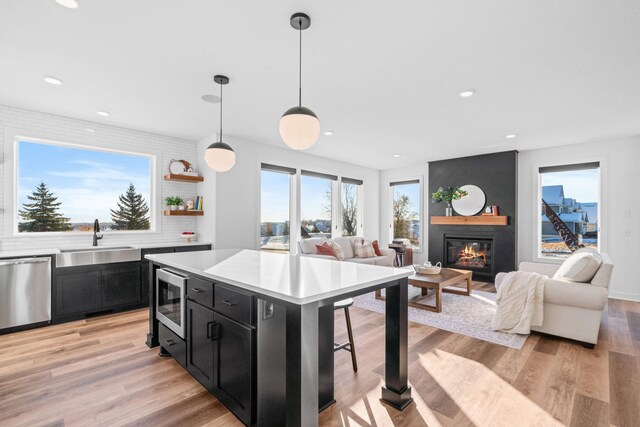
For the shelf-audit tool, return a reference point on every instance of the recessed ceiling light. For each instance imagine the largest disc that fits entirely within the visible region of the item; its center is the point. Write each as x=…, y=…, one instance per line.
x=397, y=155
x=328, y=132
x=90, y=130
x=53, y=80
x=71, y=4
x=467, y=93
x=104, y=113
x=511, y=136
x=211, y=99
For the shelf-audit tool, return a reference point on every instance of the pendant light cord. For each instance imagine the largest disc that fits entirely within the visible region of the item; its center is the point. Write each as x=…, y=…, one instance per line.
x=221, y=111
x=300, y=66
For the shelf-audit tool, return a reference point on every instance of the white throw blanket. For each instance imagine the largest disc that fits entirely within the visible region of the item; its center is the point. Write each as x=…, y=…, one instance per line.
x=520, y=298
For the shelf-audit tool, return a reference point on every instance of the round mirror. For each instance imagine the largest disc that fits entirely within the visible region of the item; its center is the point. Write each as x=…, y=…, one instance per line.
x=472, y=203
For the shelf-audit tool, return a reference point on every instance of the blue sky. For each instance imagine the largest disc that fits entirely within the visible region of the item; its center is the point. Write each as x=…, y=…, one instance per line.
x=411, y=190
x=580, y=185
x=275, y=197
x=87, y=182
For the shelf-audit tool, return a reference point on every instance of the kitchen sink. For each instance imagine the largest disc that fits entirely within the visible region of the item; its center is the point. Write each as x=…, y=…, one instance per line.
x=96, y=255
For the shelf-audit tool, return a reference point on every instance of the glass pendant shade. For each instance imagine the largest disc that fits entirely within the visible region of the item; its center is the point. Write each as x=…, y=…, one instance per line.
x=299, y=128
x=220, y=157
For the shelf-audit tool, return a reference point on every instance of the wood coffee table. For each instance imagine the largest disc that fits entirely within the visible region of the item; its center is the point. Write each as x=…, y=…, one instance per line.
x=438, y=282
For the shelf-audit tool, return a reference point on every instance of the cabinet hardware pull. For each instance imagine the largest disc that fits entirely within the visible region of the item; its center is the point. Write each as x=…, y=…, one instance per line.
x=197, y=290
x=170, y=342
x=229, y=303
x=213, y=331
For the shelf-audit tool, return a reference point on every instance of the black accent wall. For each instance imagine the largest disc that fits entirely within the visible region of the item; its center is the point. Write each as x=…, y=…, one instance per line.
x=496, y=174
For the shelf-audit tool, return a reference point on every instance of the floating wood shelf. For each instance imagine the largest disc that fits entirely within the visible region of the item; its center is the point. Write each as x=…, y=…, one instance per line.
x=184, y=213
x=182, y=178
x=470, y=220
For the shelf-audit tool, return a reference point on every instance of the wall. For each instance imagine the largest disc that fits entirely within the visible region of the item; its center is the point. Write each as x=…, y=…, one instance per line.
x=232, y=199
x=63, y=129
x=620, y=199
x=404, y=174
x=496, y=175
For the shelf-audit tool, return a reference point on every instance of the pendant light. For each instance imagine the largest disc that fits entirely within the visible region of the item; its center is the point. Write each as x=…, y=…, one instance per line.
x=220, y=156
x=299, y=126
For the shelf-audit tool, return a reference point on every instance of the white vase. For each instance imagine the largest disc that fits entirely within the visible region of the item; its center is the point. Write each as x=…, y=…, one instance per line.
x=173, y=207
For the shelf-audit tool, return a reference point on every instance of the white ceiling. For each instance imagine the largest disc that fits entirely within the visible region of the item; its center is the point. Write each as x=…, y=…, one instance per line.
x=384, y=75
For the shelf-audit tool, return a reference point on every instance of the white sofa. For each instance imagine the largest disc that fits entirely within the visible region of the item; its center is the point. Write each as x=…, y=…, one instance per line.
x=571, y=310
x=307, y=247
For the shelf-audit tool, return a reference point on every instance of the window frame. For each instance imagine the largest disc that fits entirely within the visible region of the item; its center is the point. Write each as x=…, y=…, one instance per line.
x=421, y=211
x=295, y=207
x=537, y=192
x=292, y=172
x=11, y=202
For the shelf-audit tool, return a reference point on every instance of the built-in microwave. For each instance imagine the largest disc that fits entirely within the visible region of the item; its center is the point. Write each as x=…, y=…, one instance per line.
x=171, y=291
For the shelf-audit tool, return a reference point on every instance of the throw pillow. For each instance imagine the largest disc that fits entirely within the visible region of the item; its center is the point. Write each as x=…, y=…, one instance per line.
x=579, y=267
x=376, y=248
x=337, y=249
x=363, y=250
x=325, y=249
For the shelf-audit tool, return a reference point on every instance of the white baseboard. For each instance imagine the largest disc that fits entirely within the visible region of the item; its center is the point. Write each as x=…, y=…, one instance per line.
x=624, y=295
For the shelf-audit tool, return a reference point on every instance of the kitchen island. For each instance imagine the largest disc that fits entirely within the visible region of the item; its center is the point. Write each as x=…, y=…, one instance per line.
x=254, y=326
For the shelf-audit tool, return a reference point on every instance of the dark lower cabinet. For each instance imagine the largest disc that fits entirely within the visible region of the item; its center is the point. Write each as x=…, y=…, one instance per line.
x=95, y=289
x=233, y=382
x=121, y=286
x=78, y=292
x=201, y=343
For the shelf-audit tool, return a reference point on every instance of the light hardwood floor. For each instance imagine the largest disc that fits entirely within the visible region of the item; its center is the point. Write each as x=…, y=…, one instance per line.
x=100, y=372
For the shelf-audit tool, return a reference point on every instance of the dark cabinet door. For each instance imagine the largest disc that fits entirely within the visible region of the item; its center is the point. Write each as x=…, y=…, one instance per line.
x=121, y=285
x=78, y=292
x=234, y=367
x=201, y=342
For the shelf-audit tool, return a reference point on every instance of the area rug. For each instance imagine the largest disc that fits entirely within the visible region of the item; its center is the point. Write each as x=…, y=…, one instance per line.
x=466, y=315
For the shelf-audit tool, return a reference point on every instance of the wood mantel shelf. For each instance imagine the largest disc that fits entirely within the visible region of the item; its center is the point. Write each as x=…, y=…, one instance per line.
x=184, y=213
x=182, y=178
x=470, y=220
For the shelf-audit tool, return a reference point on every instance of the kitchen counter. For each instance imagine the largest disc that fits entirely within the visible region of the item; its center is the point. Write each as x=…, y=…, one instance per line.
x=289, y=278
x=290, y=299
x=52, y=251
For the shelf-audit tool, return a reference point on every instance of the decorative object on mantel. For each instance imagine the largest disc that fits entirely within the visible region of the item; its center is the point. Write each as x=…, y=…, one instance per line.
x=220, y=156
x=189, y=236
x=448, y=196
x=470, y=220
x=173, y=202
x=299, y=126
x=473, y=203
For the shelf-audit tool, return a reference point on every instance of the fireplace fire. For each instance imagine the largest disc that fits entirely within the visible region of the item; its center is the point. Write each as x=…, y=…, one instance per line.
x=469, y=253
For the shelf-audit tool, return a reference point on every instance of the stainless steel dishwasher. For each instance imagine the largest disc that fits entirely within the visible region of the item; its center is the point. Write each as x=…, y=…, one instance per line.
x=25, y=291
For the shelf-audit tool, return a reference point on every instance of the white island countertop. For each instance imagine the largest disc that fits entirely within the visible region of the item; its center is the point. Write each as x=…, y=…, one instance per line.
x=295, y=279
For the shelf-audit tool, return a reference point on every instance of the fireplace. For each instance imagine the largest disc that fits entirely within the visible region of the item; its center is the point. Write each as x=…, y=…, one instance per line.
x=469, y=253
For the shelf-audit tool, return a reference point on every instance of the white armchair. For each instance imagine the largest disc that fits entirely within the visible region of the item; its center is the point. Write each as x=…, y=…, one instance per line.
x=571, y=310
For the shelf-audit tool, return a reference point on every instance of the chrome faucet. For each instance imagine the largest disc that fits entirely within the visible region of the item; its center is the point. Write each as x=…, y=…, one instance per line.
x=96, y=230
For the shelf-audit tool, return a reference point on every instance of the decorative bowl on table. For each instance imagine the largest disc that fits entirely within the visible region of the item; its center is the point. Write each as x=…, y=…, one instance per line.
x=189, y=236
x=423, y=269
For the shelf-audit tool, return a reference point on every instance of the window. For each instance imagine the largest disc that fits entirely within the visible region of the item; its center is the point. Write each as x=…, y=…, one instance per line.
x=316, y=204
x=64, y=188
x=350, y=197
x=406, y=212
x=275, y=198
x=569, y=208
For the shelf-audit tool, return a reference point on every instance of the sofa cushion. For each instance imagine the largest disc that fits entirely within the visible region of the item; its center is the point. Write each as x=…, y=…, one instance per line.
x=308, y=246
x=580, y=267
x=337, y=249
x=376, y=248
x=371, y=261
x=383, y=260
x=363, y=249
x=326, y=249
x=346, y=246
